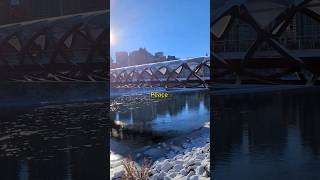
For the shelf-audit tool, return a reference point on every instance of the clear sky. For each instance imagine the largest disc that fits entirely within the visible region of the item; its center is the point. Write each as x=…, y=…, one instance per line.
x=175, y=27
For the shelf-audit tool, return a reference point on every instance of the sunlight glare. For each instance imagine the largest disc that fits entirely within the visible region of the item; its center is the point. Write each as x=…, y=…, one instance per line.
x=112, y=39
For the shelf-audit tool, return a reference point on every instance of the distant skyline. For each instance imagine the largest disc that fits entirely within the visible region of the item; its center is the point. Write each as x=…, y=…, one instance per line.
x=175, y=27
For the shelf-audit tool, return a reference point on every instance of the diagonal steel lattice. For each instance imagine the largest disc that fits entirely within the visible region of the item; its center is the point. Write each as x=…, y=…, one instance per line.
x=67, y=48
x=193, y=72
x=269, y=57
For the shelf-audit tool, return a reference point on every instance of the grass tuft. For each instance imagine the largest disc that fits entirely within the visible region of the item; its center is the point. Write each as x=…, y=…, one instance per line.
x=132, y=172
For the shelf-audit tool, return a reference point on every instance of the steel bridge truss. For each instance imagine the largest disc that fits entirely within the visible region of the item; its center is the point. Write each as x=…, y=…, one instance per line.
x=193, y=72
x=68, y=48
x=269, y=19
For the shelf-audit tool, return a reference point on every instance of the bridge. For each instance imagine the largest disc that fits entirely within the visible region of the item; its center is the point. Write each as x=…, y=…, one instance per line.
x=60, y=49
x=192, y=72
x=268, y=48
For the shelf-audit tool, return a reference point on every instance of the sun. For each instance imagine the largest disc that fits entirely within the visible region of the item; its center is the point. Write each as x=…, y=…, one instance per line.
x=112, y=39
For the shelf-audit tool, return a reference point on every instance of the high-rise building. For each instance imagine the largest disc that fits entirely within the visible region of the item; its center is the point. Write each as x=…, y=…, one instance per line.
x=12, y=11
x=141, y=56
x=122, y=59
x=171, y=58
x=159, y=54
x=159, y=57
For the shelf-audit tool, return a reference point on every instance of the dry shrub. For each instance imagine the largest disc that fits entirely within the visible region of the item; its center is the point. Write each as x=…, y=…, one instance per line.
x=132, y=172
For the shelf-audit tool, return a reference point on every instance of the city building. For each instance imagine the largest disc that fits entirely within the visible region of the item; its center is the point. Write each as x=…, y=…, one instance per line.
x=170, y=58
x=12, y=11
x=113, y=64
x=138, y=57
x=159, y=57
x=142, y=56
x=122, y=59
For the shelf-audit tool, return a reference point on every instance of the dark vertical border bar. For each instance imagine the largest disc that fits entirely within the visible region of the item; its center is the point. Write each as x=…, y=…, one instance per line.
x=108, y=94
x=211, y=44
x=212, y=142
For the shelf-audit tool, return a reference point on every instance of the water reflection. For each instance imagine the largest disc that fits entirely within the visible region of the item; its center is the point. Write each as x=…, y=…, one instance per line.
x=181, y=113
x=142, y=122
x=267, y=136
x=57, y=142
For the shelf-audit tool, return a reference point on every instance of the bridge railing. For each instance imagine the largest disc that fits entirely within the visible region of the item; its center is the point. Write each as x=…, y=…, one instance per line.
x=192, y=72
x=298, y=43
x=273, y=53
x=66, y=48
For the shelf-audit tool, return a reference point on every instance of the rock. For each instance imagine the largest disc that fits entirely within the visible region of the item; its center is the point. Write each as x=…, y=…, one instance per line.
x=171, y=171
x=206, y=148
x=207, y=171
x=153, y=171
x=161, y=175
x=179, y=162
x=166, y=166
x=118, y=175
x=158, y=167
x=191, y=168
x=173, y=175
x=191, y=173
x=197, y=162
x=194, y=177
x=200, y=157
x=183, y=172
x=185, y=156
x=200, y=170
x=189, y=164
x=154, y=177
x=177, y=167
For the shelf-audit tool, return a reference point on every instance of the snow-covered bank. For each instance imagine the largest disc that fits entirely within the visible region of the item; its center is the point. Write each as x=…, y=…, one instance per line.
x=193, y=165
x=192, y=146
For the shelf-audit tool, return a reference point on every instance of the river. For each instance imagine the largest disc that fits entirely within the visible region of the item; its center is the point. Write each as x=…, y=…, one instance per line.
x=267, y=136
x=143, y=125
x=60, y=142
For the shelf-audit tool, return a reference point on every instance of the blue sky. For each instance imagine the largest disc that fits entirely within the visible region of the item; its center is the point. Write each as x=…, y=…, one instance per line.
x=176, y=27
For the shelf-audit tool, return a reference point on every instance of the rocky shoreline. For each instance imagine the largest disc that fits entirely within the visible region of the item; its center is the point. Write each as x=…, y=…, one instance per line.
x=191, y=165
x=189, y=159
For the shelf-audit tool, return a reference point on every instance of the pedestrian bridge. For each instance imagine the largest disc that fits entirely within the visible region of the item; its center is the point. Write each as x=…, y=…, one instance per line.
x=192, y=72
x=277, y=42
x=66, y=48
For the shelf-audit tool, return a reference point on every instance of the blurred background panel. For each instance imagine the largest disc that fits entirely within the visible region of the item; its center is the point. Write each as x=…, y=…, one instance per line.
x=12, y=11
